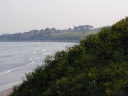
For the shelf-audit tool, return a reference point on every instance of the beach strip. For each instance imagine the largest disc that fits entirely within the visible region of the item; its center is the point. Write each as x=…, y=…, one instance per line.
x=6, y=92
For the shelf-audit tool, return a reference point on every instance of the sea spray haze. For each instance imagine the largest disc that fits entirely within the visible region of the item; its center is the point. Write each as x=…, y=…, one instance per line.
x=95, y=67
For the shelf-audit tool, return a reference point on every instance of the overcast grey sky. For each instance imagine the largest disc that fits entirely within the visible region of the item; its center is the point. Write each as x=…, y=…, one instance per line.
x=25, y=15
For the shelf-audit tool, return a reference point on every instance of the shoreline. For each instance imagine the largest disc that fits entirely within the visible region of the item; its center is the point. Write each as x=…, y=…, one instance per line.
x=6, y=92
x=72, y=41
x=14, y=77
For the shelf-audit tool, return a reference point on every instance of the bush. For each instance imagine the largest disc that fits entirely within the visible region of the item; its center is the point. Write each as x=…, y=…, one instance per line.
x=95, y=67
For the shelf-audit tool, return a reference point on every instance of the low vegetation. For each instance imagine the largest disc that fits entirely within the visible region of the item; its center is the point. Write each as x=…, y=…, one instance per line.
x=69, y=35
x=98, y=66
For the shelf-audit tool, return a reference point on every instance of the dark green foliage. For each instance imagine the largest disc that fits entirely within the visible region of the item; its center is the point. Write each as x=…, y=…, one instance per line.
x=98, y=66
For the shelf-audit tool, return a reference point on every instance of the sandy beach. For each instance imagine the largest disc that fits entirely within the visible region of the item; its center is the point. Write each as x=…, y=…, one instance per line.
x=6, y=92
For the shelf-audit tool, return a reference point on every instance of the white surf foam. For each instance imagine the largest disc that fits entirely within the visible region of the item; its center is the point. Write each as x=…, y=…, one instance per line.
x=8, y=71
x=34, y=52
x=47, y=53
x=30, y=59
x=64, y=44
x=43, y=50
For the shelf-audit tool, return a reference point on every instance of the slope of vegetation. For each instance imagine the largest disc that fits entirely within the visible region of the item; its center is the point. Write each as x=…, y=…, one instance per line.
x=98, y=66
x=69, y=35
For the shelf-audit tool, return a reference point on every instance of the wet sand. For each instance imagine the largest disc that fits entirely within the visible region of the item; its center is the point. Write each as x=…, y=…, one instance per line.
x=6, y=92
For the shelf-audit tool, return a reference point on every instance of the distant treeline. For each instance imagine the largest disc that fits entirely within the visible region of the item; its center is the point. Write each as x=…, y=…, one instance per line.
x=51, y=34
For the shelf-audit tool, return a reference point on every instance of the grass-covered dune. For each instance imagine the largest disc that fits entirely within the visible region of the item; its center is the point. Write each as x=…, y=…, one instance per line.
x=98, y=66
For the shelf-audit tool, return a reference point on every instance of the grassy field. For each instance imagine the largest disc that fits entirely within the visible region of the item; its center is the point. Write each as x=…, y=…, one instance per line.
x=71, y=35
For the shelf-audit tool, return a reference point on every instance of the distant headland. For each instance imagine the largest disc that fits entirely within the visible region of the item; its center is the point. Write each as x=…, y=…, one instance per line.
x=52, y=34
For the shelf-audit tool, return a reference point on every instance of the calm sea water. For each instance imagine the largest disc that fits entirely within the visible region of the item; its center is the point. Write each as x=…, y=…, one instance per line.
x=18, y=58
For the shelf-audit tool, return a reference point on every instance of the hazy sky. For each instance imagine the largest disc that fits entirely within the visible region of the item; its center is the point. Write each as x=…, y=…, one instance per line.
x=26, y=15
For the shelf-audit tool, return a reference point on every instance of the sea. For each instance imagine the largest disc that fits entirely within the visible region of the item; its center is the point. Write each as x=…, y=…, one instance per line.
x=20, y=58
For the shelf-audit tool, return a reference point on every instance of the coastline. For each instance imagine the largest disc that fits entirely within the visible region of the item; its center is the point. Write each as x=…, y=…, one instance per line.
x=72, y=41
x=6, y=92
x=14, y=76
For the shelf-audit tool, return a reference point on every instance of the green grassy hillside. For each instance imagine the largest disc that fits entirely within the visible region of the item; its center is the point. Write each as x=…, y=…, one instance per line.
x=69, y=35
x=98, y=66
